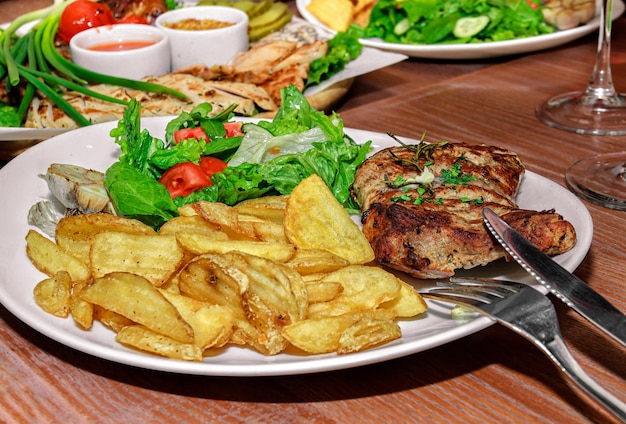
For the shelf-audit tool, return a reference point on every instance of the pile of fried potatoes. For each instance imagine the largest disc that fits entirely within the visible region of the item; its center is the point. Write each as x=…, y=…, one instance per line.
x=267, y=274
x=339, y=14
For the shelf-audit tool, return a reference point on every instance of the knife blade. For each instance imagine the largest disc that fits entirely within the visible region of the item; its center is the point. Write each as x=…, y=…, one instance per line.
x=570, y=289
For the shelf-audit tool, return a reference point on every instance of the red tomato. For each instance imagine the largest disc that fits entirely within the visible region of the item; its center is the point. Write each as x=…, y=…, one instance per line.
x=187, y=133
x=132, y=19
x=233, y=129
x=184, y=178
x=81, y=15
x=211, y=165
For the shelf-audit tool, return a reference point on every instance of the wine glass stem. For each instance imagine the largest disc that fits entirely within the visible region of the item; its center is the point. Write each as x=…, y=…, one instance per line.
x=601, y=82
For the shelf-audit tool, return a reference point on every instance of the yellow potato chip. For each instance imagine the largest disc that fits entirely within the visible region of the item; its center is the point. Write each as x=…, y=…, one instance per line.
x=337, y=14
x=75, y=233
x=50, y=258
x=212, y=324
x=192, y=224
x=149, y=341
x=408, y=302
x=314, y=219
x=270, y=208
x=53, y=294
x=154, y=257
x=315, y=261
x=364, y=288
x=200, y=244
x=135, y=298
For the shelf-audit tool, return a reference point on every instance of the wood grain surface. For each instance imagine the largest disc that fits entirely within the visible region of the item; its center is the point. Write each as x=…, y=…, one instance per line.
x=493, y=376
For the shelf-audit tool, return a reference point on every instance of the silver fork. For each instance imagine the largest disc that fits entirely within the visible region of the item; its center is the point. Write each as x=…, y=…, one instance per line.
x=530, y=314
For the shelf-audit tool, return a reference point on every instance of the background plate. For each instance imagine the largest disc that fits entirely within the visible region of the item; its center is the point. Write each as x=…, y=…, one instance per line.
x=478, y=50
x=91, y=147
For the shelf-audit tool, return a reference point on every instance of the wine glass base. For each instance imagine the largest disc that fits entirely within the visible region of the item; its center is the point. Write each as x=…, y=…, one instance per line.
x=581, y=113
x=600, y=180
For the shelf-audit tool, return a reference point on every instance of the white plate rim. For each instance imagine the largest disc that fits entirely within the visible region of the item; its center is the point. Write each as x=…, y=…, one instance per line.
x=91, y=146
x=477, y=50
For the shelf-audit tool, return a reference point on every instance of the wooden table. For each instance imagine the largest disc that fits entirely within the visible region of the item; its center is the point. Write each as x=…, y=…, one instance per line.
x=492, y=376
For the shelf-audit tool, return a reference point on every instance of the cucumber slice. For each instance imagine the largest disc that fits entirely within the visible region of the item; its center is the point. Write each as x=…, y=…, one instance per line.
x=401, y=27
x=470, y=26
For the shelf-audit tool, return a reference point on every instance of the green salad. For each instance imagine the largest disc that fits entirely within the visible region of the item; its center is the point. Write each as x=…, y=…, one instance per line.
x=455, y=21
x=218, y=160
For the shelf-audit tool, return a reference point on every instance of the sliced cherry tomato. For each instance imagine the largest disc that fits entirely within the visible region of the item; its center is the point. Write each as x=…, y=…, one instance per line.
x=81, y=15
x=187, y=133
x=184, y=178
x=211, y=165
x=133, y=19
x=233, y=129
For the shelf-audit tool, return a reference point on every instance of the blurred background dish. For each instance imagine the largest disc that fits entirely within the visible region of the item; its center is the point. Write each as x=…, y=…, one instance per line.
x=193, y=45
x=132, y=51
x=476, y=50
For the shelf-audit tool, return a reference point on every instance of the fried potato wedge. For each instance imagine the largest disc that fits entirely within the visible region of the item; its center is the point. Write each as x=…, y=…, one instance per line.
x=135, y=298
x=199, y=245
x=212, y=324
x=324, y=335
x=337, y=14
x=111, y=319
x=53, y=294
x=364, y=288
x=269, y=208
x=315, y=261
x=81, y=310
x=367, y=333
x=149, y=341
x=226, y=218
x=50, y=258
x=154, y=257
x=269, y=231
x=314, y=219
x=192, y=225
x=408, y=303
x=273, y=296
x=323, y=291
x=75, y=233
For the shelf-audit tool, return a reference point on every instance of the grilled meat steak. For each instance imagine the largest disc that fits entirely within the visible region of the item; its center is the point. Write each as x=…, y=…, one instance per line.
x=422, y=207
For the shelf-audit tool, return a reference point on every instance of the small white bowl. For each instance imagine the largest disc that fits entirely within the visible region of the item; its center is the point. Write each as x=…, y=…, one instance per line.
x=205, y=47
x=98, y=49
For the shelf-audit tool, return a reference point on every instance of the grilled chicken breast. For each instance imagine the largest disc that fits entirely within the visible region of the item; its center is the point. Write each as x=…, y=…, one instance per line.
x=422, y=207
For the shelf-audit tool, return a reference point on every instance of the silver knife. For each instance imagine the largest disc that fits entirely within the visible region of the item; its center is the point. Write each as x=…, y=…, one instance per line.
x=563, y=284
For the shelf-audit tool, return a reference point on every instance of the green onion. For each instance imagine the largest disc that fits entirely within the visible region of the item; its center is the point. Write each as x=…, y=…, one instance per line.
x=29, y=93
x=49, y=72
x=56, y=98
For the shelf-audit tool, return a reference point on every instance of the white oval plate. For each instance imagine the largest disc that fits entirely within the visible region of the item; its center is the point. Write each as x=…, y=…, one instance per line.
x=92, y=147
x=477, y=50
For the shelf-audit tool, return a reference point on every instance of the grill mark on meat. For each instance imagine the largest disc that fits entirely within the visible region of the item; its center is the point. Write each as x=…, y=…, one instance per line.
x=445, y=232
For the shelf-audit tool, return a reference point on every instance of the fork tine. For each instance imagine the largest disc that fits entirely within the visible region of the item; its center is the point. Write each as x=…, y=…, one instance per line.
x=488, y=282
x=453, y=295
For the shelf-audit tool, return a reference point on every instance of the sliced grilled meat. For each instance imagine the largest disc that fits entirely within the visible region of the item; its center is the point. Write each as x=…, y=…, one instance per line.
x=422, y=207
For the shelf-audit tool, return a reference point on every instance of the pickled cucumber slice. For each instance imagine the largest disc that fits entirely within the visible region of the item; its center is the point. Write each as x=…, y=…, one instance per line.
x=470, y=26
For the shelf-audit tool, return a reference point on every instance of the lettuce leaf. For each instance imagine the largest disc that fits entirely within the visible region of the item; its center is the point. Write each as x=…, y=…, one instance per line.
x=272, y=158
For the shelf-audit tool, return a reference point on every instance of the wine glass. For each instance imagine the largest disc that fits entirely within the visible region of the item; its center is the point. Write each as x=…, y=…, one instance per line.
x=598, y=110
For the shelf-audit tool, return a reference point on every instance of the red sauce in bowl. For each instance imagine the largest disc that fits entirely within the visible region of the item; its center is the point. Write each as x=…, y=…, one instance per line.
x=118, y=46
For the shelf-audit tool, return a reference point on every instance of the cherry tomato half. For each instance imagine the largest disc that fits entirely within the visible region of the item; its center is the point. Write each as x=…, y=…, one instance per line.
x=81, y=15
x=184, y=178
x=211, y=165
x=233, y=129
x=187, y=133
